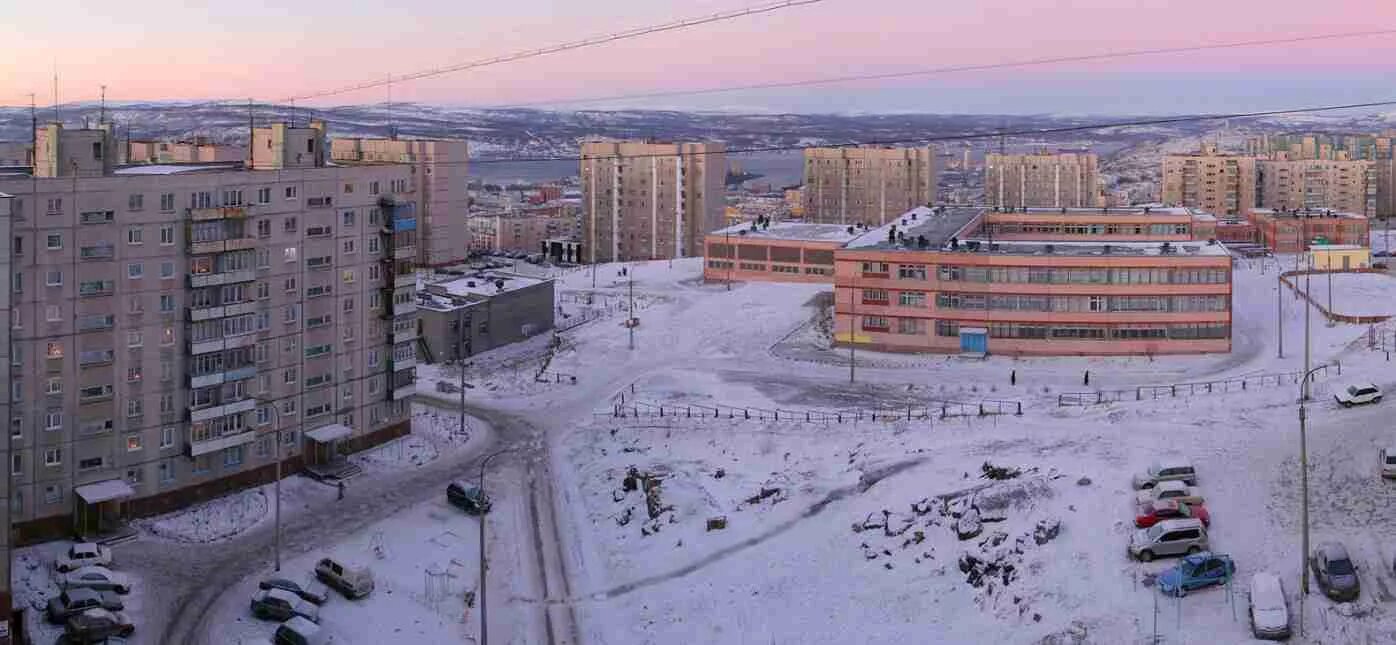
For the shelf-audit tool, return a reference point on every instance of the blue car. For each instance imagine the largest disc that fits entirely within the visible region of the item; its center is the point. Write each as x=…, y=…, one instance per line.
x=1196, y=571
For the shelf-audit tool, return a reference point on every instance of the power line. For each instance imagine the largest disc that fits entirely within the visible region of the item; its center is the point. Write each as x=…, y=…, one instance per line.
x=962, y=137
x=553, y=49
x=935, y=71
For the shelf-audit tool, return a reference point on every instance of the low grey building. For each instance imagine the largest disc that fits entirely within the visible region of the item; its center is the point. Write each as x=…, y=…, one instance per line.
x=463, y=315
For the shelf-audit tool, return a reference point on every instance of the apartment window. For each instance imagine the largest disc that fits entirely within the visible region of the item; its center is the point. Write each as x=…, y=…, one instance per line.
x=263, y=415
x=202, y=463
x=289, y=225
x=348, y=218
x=167, y=235
x=167, y=202
x=263, y=258
x=290, y=191
x=290, y=314
x=288, y=345
x=348, y=276
x=134, y=305
x=288, y=408
x=263, y=228
x=16, y=464
x=289, y=254
x=135, y=202
x=19, y=245
x=53, y=419
x=135, y=475
x=288, y=376
x=134, y=339
x=54, y=278
x=263, y=290
x=55, y=205
x=167, y=435
x=911, y=271
x=54, y=241
x=232, y=198
x=135, y=270
x=167, y=403
x=373, y=272
x=54, y=385
x=133, y=443
x=53, y=457
x=166, y=370
x=263, y=195
x=133, y=374
x=135, y=408
x=166, y=472
x=167, y=335
x=348, y=332
x=373, y=358
x=372, y=245
x=52, y=313
x=348, y=189
x=289, y=285
x=349, y=247
x=348, y=305
x=133, y=236
x=55, y=349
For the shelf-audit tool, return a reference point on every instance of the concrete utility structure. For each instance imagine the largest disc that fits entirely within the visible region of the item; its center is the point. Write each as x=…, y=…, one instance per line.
x=465, y=315
x=200, y=150
x=438, y=170
x=1044, y=180
x=1216, y=183
x=866, y=185
x=1294, y=231
x=650, y=201
x=1340, y=185
x=172, y=321
x=934, y=281
x=779, y=251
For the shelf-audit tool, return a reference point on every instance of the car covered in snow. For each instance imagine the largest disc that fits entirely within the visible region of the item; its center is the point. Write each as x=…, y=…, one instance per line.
x=1174, y=490
x=299, y=631
x=353, y=581
x=1169, y=470
x=96, y=626
x=1195, y=572
x=1169, y=537
x=1387, y=458
x=1269, y=610
x=279, y=605
x=98, y=578
x=313, y=592
x=467, y=498
x=1358, y=394
x=75, y=601
x=83, y=554
x=1152, y=512
x=1334, y=571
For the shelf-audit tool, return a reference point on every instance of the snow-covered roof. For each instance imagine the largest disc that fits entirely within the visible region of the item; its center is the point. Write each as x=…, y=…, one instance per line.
x=937, y=225
x=1315, y=213
x=1336, y=247
x=485, y=284
x=331, y=432
x=104, y=491
x=1027, y=247
x=801, y=231
x=169, y=169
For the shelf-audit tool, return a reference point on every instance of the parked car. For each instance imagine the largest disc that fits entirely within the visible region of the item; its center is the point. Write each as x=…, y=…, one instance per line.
x=314, y=592
x=299, y=631
x=1334, y=571
x=279, y=604
x=352, y=581
x=96, y=625
x=83, y=554
x=1358, y=394
x=1269, y=611
x=1173, y=489
x=1388, y=462
x=1170, y=470
x=75, y=601
x=1169, y=537
x=467, y=498
x=98, y=578
x=1150, y=513
x=1195, y=572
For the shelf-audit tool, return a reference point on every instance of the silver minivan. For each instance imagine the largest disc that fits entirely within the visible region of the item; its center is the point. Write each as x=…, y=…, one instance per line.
x=1169, y=537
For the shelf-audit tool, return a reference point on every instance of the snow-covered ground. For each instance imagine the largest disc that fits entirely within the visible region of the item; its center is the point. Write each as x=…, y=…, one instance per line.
x=34, y=580
x=1354, y=294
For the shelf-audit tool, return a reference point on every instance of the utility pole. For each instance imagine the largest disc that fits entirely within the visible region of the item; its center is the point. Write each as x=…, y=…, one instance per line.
x=731, y=257
x=852, y=322
x=1280, y=311
x=630, y=272
x=460, y=358
x=484, y=623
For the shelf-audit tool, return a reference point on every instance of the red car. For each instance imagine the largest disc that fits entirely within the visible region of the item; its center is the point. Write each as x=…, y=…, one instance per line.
x=1150, y=513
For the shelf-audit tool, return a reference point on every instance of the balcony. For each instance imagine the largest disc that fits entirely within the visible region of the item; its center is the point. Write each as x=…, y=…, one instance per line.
x=225, y=376
x=404, y=391
x=404, y=364
x=221, y=311
x=399, y=310
x=404, y=336
x=404, y=280
x=215, y=279
x=220, y=246
x=224, y=410
x=223, y=212
x=97, y=252
x=220, y=344
x=196, y=448
x=404, y=252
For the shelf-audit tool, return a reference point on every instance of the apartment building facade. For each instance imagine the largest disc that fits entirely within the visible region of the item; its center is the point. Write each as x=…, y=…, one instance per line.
x=1385, y=174
x=177, y=328
x=867, y=185
x=521, y=231
x=1341, y=185
x=1045, y=180
x=650, y=201
x=438, y=169
x=1218, y=183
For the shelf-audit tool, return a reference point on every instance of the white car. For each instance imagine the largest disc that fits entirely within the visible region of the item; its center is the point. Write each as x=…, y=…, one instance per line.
x=98, y=578
x=81, y=555
x=1269, y=613
x=1174, y=490
x=1358, y=394
x=1166, y=470
x=1388, y=462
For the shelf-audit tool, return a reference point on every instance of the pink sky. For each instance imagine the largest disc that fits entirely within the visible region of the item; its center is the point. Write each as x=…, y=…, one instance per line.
x=160, y=49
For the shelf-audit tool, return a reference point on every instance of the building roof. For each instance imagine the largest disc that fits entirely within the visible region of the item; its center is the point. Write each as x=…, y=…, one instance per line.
x=1315, y=213
x=173, y=169
x=1030, y=247
x=448, y=292
x=801, y=231
x=1336, y=247
x=937, y=225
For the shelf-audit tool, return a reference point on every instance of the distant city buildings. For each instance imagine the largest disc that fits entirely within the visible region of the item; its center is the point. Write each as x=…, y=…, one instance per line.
x=1044, y=180
x=1341, y=184
x=650, y=201
x=1218, y=183
x=520, y=231
x=868, y=185
x=1323, y=146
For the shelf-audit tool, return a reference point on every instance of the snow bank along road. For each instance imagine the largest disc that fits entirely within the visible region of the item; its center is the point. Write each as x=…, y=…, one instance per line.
x=186, y=580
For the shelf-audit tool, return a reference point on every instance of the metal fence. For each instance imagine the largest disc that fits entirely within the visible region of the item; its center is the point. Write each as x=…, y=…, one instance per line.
x=1174, y=390
x=633, y=408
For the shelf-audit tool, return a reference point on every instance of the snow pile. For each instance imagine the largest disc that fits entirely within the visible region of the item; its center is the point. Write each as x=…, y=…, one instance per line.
x=211, y=521
x=434, y=433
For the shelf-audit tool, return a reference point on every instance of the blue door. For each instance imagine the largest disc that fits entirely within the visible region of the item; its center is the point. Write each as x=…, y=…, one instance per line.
x=974, y=341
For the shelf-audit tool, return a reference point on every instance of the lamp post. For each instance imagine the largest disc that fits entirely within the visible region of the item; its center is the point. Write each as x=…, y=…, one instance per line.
x=276, y=485
x=484, y=624
x=1304, y=492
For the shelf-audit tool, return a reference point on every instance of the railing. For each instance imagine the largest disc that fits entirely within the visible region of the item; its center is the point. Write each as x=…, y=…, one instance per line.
x=1174, y=390
x=632, y=408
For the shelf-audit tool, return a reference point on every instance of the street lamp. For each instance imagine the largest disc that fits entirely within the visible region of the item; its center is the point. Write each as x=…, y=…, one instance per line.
x=276, y=486
x=1304, y=492
x=484, y=624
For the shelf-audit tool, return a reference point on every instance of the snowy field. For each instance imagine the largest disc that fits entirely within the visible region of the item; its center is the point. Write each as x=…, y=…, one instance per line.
x=1354, y=294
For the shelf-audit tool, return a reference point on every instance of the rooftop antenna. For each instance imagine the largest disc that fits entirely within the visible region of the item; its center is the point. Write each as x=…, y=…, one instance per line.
x=251, y=132
x=102, y=113
x=392, y=125
x=55, y=91
x=33, y=132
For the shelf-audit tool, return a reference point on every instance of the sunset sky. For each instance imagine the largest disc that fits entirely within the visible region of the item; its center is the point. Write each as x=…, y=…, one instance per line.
x=167, y=49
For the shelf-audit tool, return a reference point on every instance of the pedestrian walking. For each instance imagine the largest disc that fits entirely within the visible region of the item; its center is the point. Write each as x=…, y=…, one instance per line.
x=1013, y=377
x=1088, y=377
x=341, y=490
